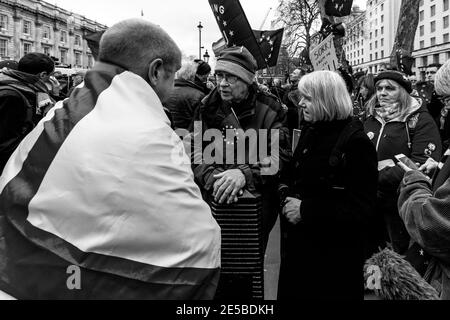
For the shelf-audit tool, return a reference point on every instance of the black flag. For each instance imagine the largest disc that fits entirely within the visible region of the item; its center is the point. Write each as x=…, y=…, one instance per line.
x=270, y=43
x=338, y=8
x=236, y=30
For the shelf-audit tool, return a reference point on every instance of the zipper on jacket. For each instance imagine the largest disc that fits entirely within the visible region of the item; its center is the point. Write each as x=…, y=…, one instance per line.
x=379, y=136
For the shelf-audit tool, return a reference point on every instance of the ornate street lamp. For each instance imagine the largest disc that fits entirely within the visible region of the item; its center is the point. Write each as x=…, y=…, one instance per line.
x=206, y=57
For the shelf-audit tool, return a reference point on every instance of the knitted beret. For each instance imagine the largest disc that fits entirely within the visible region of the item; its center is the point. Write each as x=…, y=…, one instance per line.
x=237, y=61
x=396, y=76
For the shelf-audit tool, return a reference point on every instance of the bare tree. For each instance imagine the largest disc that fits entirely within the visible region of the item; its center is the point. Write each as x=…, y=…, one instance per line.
x=301, y=19
x=407, y=27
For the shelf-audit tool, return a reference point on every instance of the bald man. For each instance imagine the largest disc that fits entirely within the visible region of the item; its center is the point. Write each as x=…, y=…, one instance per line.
x=100, y=196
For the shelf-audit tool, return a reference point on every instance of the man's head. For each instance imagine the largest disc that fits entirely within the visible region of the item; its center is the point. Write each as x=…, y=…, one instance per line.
x=235, y=72
x=78, y=78
x=295, y=76
x=144, y=49
x=203, y=70
x=37, y=64
x=431, y=71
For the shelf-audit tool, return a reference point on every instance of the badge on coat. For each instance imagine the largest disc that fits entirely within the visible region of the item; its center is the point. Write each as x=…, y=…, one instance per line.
x=371, y=135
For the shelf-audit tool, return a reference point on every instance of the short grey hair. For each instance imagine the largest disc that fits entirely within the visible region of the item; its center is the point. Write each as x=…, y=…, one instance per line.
x=442, y=80
x=328, y=93
x=134, y=43
x=188, y=71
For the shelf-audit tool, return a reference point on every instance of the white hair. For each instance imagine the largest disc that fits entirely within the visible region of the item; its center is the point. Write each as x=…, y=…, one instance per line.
x=187, y=71
x=329, y=96
x=442, y=80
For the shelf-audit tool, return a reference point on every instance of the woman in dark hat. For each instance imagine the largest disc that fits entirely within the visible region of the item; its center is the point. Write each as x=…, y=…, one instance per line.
x=397, y=124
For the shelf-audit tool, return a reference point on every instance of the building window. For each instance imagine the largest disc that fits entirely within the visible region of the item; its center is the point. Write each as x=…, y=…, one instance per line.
x=46, y=50
x=3, y=22
x=433, y=11
x=63, y=55
x=3, y=48
x=445, y=5
x=382, y=30
x=382, y=42
x=421, y=15
x=433, y=26
x=446, y=22
x=421, y=31
x=376, y=55
x=433, y=41
x=26, y=27
x=382, y=6
x=376, y=44
x=78, y=59
x=382, y=18
x=422, y=44
x=446, y=38
x=63, y=37
x=46, y=32
x=370, y=56
x=376, y=33
x=370, y=46
x=77, y=40
x=424, y=61
x=435, y=58
x=382, y=54
x=26, y=48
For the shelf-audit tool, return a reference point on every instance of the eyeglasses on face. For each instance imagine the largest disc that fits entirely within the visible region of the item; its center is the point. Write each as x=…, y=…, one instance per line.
x=229, y=78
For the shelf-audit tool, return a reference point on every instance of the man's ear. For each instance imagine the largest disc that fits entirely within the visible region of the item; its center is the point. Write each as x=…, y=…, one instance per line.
x=155, y=71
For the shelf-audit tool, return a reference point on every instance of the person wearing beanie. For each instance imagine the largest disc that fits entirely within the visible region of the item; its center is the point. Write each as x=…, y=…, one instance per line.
x=201, y=76
x=237, y=103
x=397, y=124
x=424, y=206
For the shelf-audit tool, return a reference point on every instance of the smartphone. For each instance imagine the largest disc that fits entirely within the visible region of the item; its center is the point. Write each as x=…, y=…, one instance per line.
x=406, y=161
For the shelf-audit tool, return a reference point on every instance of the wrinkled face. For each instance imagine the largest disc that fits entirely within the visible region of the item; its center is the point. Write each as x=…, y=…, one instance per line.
x=231, y=88
x=388, y=93
x=306, y=106
x=295, y=76
x=431, y=73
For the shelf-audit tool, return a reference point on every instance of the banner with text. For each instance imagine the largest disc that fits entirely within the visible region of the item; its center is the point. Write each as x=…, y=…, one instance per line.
x=323, y=57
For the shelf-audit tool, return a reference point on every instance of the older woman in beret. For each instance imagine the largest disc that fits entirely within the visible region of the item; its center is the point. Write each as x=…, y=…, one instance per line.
x=398, y=124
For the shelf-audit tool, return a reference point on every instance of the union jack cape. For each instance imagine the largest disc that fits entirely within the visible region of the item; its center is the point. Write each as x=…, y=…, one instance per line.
x=103, y=184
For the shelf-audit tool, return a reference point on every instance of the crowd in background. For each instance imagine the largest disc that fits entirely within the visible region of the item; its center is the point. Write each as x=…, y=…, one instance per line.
x=339, y=191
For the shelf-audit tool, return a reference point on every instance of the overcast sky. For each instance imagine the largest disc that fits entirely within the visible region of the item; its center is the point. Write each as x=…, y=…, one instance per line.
x=178, y=17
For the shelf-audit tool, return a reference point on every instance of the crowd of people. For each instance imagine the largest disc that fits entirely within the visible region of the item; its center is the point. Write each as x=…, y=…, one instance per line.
x=105, y=176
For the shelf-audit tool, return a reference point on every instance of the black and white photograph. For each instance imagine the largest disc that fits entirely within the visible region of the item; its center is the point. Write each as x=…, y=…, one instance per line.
x=236, y=158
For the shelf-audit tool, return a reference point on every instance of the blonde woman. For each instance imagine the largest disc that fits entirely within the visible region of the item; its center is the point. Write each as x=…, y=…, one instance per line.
x=332, y=189
x=398, y=124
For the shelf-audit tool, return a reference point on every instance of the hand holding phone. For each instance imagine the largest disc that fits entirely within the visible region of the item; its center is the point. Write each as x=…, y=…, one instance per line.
x=406, y=161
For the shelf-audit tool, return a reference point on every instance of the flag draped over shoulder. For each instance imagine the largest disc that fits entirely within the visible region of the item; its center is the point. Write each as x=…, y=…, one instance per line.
x=338, y=8
x=93, y=41
x=103, y=184
x=235, y=28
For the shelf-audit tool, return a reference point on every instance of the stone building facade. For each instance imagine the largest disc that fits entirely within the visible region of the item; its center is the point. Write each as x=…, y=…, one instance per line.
x=37, y=26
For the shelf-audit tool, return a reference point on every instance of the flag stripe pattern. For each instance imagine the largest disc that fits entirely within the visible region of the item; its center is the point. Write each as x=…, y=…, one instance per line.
x=68, y=197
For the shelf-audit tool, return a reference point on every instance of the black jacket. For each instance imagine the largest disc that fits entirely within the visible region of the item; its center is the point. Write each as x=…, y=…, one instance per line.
x=19, y=111
x=258, y=111
x=337, y=202
x=184, y=100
